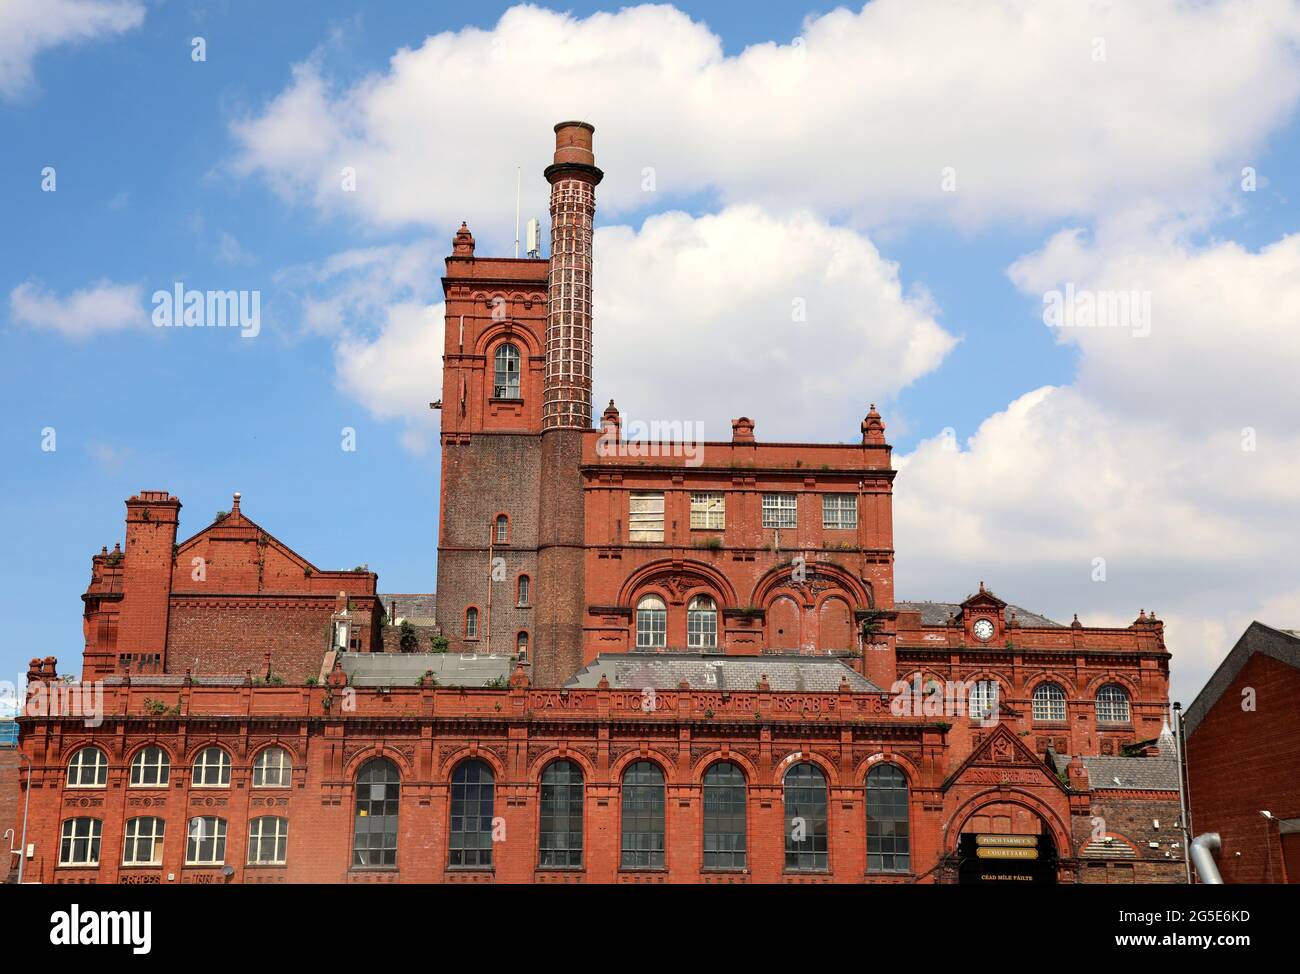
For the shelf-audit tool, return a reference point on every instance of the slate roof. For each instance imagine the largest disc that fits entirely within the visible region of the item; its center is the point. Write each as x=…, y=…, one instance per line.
x=414, y=608
x=1159, y=773
x=665, y=671
x=937, y=614
x=403, y=669
x=1281, y=644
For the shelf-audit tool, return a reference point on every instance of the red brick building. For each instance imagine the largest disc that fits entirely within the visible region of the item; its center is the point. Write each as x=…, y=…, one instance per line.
x=669, y=660
x=1243, y=758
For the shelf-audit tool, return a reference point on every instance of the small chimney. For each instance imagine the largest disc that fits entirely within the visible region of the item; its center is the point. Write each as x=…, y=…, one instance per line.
x=742, y=430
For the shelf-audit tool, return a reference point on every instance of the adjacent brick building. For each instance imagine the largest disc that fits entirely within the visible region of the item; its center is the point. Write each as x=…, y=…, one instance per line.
x=670, y=660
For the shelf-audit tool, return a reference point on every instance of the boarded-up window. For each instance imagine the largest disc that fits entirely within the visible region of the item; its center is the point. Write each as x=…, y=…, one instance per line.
x=707, y=511
x=645, y=519
x=783, y=624
x=836, y=626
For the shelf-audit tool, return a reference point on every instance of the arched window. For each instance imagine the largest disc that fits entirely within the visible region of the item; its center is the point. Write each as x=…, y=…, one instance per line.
x=144, y=841
x=888, y=847
x=471, y=623
x=724, y=817
x=206, y=844
x=473, y=794
x=374, y=832
x=521, y=644
x=211, y=769
x=525, y=584
x=79, y=842
x=1112, y=704
x=702, y=623
x=1049, y=702
x=805, y=819
x=643, y=816
x=983, y=699
x=506, y=384
x=272, y=768
x=88, y=769
x=268, y=841
x=560, y=837
x=150, y=768
x=651, y=623
x=503, y=529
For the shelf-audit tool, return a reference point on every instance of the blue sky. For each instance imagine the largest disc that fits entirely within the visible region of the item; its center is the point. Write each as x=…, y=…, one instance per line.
x=170, y=170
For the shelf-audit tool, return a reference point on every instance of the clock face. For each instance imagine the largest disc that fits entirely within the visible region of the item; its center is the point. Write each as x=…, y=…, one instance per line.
x=983, y=630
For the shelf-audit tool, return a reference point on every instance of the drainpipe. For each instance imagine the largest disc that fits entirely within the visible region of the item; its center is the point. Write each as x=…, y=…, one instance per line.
x=22, y=848
x=1202, y=852
x=1184, y=783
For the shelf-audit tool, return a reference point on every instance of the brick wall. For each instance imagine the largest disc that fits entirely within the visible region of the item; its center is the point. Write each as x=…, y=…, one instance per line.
x=1130, y=821
x=11, y=807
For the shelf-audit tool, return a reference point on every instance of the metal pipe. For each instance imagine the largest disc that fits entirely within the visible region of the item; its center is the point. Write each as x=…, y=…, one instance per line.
x=27, y=798
x=1202, y=852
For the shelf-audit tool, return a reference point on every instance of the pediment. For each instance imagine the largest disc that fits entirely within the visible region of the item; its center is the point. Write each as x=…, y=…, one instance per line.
x=1002, y=758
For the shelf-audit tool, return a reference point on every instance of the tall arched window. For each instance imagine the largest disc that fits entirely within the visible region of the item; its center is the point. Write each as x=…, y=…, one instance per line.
x=559, y=843
x=651, y=623
x=525, y=593
x=150, y=768
x=473, y=794
x=1112, y=704
x=272, y=769
x=471, y=623
x=888, y=844
x=724, y=817
x=503, y=529
x=1049, y=702
x=374, y=833
x=211, y=769
x=643, y=816
x=88, y=769
x=506, y=384
x=806, y=846
x=521, y=644
x=702, y=623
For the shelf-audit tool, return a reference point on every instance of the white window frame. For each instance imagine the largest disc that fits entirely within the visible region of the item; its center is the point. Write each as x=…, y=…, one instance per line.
x=840, y=511
x=204, y=766
x=161, y=767
x=781, y=510
x=702, y=623
x=985, y=696
x=655, y=634
x=523, y=590
x=194, y=842
x=263, y=769
x=1048, y=703
x=79, y=769
x=507, y=354
x=645, y=516
x=708, y=510
x=1114, y=708
x=71, y=834
x=136, y=835
x=278, y=837
x=471, y=622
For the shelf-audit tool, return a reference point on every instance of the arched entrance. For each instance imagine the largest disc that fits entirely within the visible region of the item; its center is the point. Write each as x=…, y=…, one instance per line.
x=1006, y=843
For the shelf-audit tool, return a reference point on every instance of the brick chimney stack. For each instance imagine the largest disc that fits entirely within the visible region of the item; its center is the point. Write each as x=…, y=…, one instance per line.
x=151, y=520
x=566, y=396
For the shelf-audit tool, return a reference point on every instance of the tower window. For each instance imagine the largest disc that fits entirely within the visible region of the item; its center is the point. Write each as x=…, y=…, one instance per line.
x=780, y=511
x=503, y=529
x=524, y=585
x=506, y=384
x=471, y=623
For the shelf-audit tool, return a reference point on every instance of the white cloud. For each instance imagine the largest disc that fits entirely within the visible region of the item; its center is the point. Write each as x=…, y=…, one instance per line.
x=103, y=307
x=859, y=116
x=229, y=251
x=28, y=27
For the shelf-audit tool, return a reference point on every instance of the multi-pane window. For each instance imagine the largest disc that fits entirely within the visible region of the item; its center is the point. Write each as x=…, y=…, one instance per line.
x=839, y=510
x=525, y=584
x=150, y=768
x=645, y=517
x=506, y=379
x=983, y=699
x=888, y=846
x=780, y=511
x=643, y=817
x=503, y=529
x=708, y=510
x=560, y=838
x=206, y=843
x=702, y=623
x=272, y=768
x=212, y=768
x=1049, y=702
x=472, y=795
x=724, y=817
x=374, y=831
x=651, y=623
x=79, y=845
x=268, y=841
x=521, y=644
x=88, y=769
x=806, y=846
x=144, y=841
x=471, y=623
x=1112, y=705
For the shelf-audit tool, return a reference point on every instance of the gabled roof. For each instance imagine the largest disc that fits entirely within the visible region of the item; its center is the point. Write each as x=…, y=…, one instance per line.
x=1282, y=645
x=1003, y=749
x=666, y=671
